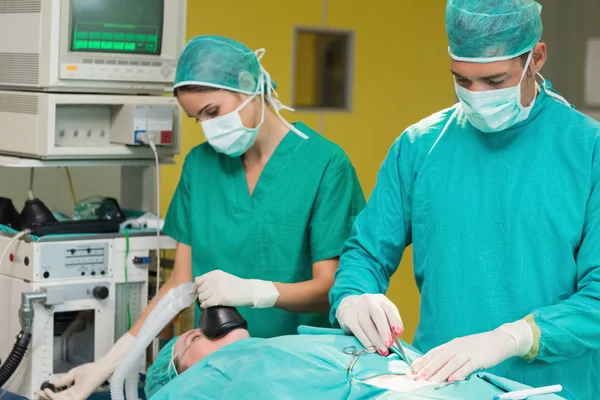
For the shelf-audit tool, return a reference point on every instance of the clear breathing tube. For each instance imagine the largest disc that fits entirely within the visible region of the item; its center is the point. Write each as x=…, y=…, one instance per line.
x=165, y=310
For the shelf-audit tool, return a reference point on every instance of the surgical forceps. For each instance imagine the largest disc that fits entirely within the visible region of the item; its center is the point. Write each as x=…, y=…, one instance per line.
x=399, y=350
x=443, y=385
x=353, y=351
x=401, y=353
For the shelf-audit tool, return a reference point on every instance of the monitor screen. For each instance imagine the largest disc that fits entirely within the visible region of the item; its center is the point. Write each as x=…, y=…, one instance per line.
x=117, y=26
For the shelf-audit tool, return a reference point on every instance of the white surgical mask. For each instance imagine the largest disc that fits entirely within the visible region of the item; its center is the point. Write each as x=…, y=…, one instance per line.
x=227, y=133
x=495, y=110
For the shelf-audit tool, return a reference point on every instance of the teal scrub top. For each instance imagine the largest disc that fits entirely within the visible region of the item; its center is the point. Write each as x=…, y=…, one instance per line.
x=312, y=365
x=301, y=212
x=503, y=225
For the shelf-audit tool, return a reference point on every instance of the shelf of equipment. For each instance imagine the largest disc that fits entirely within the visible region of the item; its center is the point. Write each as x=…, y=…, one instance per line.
x=21, y=162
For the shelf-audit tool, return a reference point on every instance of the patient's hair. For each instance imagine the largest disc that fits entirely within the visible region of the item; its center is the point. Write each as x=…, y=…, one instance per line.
x=158, y=374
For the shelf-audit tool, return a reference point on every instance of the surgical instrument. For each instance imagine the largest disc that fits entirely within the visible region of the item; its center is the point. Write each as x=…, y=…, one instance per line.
x=523, y=394
x=353, y=351
x=444, y=384
x=402, y=354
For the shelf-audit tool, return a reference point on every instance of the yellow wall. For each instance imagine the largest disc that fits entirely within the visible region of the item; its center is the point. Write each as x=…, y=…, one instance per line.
x=400, y=76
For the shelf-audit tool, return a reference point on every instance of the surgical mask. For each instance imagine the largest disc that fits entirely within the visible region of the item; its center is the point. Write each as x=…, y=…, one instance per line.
x=495, y=110
x=227, y=133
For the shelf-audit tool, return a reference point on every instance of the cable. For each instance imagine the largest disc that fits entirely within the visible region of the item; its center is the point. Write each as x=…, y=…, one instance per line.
x=127, y=280
x=30, y=195
x=12, y=242
x=148, y=138
x=153, y=147
x=569, y=393
x=71, y=185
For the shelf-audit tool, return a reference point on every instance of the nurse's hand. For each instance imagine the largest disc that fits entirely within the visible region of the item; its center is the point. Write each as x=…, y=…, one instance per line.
x=218, y=288
x=461, y=357
x=371, y=318
x=84, y=380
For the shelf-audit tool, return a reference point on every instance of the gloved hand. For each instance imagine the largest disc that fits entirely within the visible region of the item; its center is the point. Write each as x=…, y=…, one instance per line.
x=461, y=357
x=372, y=318
x=218, y=288
x=87, y=377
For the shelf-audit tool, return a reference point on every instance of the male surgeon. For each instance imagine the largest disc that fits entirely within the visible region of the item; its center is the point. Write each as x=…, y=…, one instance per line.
x=500, y=197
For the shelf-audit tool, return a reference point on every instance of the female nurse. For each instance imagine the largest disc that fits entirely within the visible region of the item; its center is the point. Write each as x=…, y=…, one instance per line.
x=262, y=208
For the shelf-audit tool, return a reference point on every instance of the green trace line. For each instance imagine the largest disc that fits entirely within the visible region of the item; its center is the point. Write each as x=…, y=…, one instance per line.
x=125, y=26
x=112, y=25
x=83, y=36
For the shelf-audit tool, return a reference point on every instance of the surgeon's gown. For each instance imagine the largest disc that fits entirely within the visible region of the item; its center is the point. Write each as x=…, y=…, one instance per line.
x=301, y=212
x=503, y=225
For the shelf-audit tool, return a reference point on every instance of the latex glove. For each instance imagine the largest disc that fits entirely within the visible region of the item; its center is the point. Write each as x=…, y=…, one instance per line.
x=461, y=357
x=87, y=377
x=218, y=288
x=372, y=318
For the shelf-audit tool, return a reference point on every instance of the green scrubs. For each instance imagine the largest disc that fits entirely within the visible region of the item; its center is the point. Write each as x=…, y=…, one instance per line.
x=301, y=212
x=503, y=225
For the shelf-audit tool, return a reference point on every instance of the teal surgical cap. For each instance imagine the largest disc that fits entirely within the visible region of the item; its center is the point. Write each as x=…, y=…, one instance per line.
x=484, y=31
x=219, y=62
x=161, y=372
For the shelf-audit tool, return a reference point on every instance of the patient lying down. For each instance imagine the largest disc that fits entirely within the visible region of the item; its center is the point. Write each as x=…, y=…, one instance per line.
x=310, y=365
x=192, y=347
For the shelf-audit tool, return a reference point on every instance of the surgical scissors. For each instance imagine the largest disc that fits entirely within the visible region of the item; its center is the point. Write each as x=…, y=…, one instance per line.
x=353, y=351
x=401, y=353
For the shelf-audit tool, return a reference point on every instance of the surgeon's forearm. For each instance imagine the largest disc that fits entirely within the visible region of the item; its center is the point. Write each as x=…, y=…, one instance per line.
x=569, y=328
x=308, y=296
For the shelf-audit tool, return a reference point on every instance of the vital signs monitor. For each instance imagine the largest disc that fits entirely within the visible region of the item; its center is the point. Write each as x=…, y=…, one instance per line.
x=126, y=46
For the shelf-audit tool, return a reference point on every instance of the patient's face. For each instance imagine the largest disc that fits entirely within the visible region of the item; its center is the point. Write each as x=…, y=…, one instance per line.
x=199, y=346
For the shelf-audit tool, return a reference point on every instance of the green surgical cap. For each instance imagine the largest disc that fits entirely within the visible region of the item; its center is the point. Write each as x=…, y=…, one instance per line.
x=484, y=31
x=161, y=372
x=219, y=62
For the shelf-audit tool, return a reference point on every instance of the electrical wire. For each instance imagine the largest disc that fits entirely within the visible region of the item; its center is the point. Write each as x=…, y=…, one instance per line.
x=30, y=195
x=127, y=280
x=153, y=147
x=569, y=393
x=155, y=344
x=12, y=242
x=148, y=139
x=71, y=187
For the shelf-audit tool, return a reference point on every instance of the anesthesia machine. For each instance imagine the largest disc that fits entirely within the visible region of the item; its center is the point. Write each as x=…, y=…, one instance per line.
x=82, y=81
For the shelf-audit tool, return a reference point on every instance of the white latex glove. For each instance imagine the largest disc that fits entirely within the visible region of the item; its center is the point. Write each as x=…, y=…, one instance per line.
x=218, y=288
x=87, y=377
x=461, y=357
x=372, y=318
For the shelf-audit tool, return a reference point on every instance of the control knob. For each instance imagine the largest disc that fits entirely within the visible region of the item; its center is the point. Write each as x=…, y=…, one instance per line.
x=100, y=292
